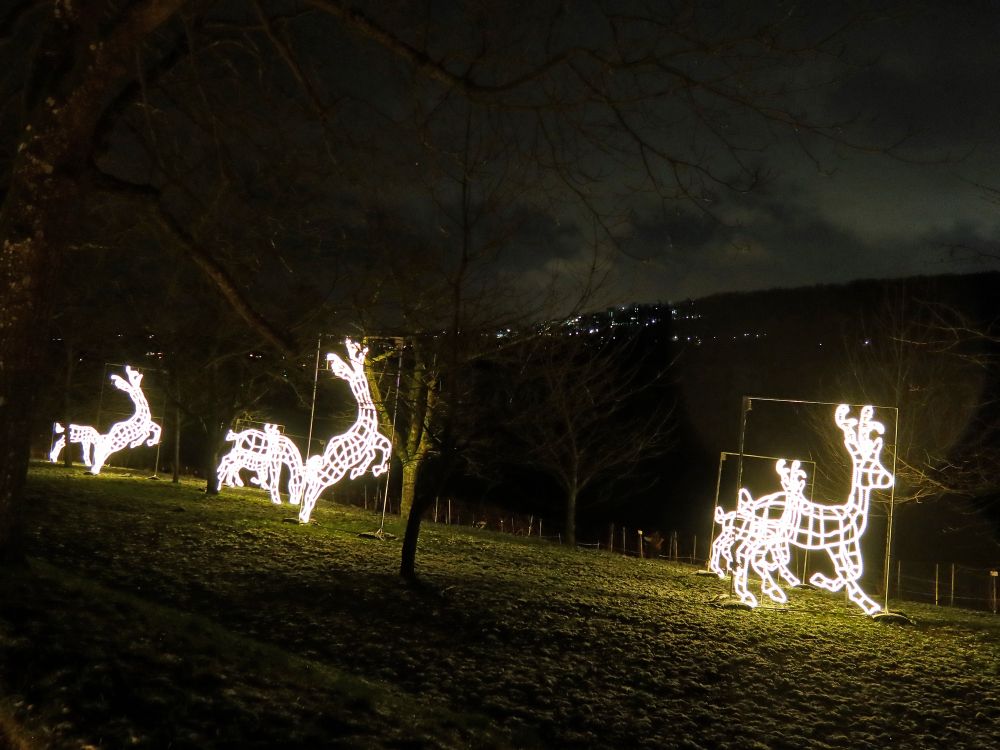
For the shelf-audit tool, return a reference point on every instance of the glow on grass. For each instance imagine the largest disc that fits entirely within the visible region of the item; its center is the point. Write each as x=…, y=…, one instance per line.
x=263, y=452
x=131, y=432
x=763, y=529
x=354, y=450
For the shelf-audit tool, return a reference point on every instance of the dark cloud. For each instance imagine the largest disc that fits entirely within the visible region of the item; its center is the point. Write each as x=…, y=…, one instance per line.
x=832, y=213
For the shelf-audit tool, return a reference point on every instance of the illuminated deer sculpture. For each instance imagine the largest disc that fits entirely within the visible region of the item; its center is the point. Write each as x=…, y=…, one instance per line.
x=764, y=529
x=83, y=434
x=263, y=452
x=131, y=432
x=354, y=450
x=770, y=518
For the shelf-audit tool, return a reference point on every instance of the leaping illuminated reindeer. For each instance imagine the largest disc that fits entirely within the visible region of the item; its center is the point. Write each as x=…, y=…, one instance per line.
x=131, y=432
x=354, y=450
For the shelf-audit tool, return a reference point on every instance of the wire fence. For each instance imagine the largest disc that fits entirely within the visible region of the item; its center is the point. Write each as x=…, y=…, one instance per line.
x=945, y=584
x=942, y=584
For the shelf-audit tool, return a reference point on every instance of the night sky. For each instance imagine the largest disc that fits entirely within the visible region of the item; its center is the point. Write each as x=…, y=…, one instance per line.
x=910, y=95
x=931, y=93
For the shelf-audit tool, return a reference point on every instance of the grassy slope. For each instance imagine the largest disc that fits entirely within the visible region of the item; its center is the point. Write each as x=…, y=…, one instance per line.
x=154, y=616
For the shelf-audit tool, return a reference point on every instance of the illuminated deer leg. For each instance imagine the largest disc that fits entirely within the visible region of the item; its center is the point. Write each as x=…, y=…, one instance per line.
x=313, y=486
x=58, y=446
x=366, y=459
x=385, y=448
x=767, y=583
x=825, y=582
x=740, y=573
x=296, y=481
x=722, y=546
x=87, y=450
x=228, y=472
x=849, y=561
x=274, y=478
x=785, y=572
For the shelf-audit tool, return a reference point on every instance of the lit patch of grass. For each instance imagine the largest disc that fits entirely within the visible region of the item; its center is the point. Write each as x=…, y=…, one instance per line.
x=147, y=600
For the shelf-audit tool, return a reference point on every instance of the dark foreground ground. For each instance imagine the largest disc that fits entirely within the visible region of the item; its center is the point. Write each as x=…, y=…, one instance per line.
x=152, y=616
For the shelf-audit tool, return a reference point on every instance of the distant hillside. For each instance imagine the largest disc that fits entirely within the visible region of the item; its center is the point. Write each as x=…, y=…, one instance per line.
x=791, y=343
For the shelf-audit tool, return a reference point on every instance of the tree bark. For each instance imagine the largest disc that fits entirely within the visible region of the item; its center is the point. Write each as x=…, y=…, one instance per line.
x=37, y=215
x=176, y=478
x=68, y=403
x=569, y=534
x=411, y=470
x=407, y=564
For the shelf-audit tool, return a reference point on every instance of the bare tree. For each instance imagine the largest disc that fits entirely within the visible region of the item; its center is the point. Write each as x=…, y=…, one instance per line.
x=678, y=99
x=582, y=411
x=921, y=357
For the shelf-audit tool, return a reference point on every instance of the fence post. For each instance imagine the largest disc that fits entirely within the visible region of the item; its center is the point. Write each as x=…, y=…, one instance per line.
x=694, y=549
x=539, y=528
x=611, y=539
x=951, y=596
x=936, y=565
x=436, y=501
x=624, y=548
x=639, y=531
x=899, y=578
x=993, y=598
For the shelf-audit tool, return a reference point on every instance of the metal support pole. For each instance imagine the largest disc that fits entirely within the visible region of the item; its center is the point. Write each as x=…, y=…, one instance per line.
x=312, y=409
x=163, y=418
x=892, y=498
x=718, y=488
x=744, y=411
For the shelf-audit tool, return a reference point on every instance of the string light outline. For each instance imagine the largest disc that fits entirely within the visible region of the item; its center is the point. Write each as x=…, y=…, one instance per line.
x=763, y=542
x=263, y=452
x=83, y=434
x=354, y=450
x=754, y=519
x=131, y=432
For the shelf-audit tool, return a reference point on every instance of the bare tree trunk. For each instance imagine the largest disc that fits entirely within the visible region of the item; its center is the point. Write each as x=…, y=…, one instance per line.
x=410, y=471
x=26, y=261
x=68, y=404
x=407, y=565
x=569, y=534
x=213, y=430
x=37, y=216
x=177, y=445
